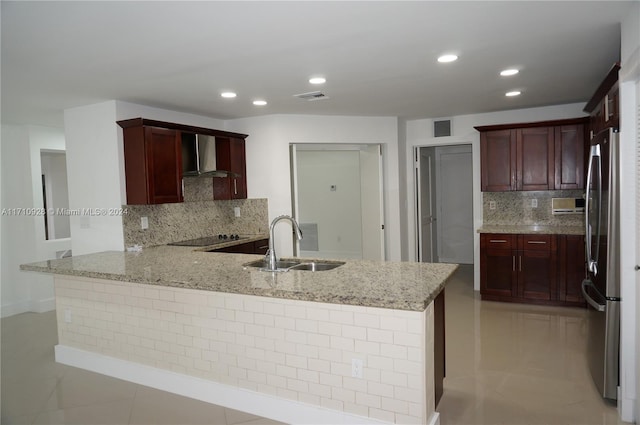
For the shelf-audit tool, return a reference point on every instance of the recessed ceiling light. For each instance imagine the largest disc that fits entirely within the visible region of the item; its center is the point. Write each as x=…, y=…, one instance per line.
x=509, y=72
x=512, y=93
x=447, y=58
x=228, y=94
x=259, y=102
x=317, y=80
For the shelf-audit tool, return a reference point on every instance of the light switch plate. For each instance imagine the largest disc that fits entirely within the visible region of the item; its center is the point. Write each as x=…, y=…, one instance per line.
x=144, y=223
x=236, y=211
x=534, y=203
x=492, y=205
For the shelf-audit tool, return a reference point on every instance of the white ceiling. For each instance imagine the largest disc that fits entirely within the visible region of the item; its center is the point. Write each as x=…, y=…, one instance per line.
x=379, y=58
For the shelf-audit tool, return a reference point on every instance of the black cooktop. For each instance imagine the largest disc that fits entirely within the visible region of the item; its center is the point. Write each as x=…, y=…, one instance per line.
x=209, y=240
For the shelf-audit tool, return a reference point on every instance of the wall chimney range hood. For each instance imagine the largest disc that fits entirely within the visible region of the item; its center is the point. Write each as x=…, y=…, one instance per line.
x=199, y=156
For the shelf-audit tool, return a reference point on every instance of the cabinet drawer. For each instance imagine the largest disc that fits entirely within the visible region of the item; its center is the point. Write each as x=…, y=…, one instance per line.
x=498, y=241
x=538, y=242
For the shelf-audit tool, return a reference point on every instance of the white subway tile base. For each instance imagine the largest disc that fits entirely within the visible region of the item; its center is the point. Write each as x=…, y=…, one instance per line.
x=294, y=350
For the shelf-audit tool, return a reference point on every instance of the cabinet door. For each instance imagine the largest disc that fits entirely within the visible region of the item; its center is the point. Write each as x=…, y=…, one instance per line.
x=536, y=275
x=569, y=143
x=571, y=259
x=498, y=160
x=261, y=246
x=535, y=152
x=537, y=267
x=164, y=165
x=230, y=156
x=238, y=182
x=497, y=266
x=497, y=274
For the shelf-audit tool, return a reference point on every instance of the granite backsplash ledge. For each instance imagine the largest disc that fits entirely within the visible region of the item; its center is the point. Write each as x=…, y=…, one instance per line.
x=515, y=208
x=190, y=220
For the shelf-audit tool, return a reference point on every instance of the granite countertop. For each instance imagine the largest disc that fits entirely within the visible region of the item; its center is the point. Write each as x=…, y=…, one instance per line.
x=394, y=285
x=532, y=229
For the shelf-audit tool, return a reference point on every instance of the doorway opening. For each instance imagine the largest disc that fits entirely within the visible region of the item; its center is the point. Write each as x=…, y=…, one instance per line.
x=338, y=200
x=444, y=202
x=55, y=194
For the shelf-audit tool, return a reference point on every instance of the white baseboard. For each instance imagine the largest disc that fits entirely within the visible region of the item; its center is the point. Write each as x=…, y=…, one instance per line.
x=276, y=408
x=435, y=419
x=42, y=306
x=35, y=306
x=14, y=308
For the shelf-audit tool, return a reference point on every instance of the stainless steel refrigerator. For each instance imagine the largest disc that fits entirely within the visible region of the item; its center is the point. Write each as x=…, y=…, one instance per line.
x=601, y=287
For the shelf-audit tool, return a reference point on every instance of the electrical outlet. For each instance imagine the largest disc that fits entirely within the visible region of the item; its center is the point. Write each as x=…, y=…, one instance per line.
x=492, y=205
x=67, y=315
x=356, y=368
x=534, y=203
x=144, y=223
x=236, y=211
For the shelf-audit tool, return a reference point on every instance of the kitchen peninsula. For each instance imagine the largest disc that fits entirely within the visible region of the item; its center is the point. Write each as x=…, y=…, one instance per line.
x=350, y=345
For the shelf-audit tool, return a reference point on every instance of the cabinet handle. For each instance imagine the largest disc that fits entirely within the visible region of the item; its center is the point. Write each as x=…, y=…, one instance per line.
x=497, y=241
x=606, y=108
x=514, y=263
x=520, y=263
x=183, y=188
x=537, y=242
x=235, y=186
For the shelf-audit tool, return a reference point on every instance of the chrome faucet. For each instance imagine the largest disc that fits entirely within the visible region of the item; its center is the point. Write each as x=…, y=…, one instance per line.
x=272, y=260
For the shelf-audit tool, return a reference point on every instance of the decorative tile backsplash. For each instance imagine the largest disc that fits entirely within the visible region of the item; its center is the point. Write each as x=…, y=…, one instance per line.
x=196, y=219
x=514, y=208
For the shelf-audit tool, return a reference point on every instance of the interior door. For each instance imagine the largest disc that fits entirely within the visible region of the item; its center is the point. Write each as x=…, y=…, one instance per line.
x=425, y=174
x=454, y=197
x=371, y=201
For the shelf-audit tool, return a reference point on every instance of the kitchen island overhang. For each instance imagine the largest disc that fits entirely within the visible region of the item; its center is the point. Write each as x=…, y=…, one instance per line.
x=201, y=325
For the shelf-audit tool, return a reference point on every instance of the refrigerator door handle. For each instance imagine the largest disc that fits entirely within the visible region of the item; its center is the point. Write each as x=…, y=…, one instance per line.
x=587, y=297
x=592, y=261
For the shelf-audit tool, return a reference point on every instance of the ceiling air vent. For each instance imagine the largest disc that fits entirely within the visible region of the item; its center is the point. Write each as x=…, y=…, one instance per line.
x=314, y=95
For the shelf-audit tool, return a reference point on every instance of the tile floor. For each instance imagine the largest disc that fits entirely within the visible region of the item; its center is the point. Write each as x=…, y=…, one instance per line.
x=516, y=364
x=506, y=364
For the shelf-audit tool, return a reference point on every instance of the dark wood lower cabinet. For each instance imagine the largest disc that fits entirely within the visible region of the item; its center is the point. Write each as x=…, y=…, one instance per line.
x=256, y=247
x=536, y=269
x=439, y=351
x=572, y=270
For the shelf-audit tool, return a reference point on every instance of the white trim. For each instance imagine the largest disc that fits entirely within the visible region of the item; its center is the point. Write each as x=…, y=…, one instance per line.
x=42, y=306
x=34, y=306
x=12, y=309
x=435, y=419
x=276, y=408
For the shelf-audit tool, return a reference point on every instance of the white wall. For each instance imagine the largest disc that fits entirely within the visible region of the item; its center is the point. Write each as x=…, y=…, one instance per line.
x=23, y=236
x=336, y=212
x=95, y=161
x=268, y=168
x=628, y=405
x=420, y=133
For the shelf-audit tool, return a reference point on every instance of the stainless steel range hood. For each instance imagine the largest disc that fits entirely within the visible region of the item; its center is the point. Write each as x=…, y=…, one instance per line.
x=199, y=156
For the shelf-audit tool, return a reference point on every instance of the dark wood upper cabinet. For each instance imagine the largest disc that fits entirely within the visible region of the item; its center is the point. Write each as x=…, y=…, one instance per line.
x=498, y=160
x=153, y=165
x=604, y=105
x=547, y=155
x=153, y=161
x=534, y=155
x=570, y=151
x=230, y=156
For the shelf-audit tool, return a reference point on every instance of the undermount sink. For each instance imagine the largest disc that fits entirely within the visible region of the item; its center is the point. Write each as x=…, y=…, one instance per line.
x=301, y=264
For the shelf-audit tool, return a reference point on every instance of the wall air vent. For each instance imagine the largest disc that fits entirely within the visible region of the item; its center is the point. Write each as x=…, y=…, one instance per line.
x=314, y=95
